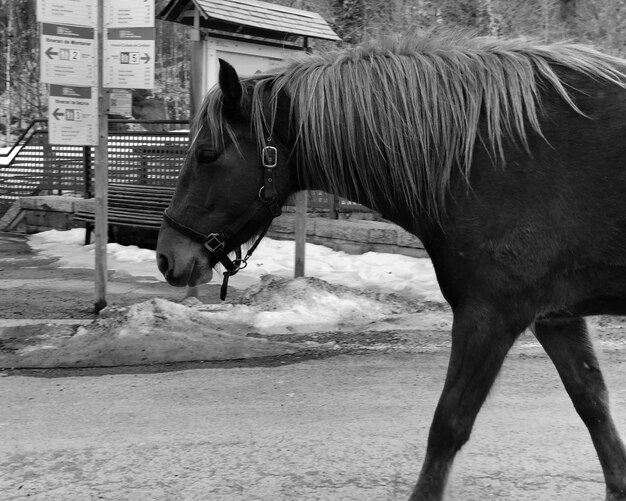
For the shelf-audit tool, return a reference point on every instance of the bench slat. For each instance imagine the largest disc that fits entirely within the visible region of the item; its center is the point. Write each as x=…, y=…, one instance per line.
x=139, y=206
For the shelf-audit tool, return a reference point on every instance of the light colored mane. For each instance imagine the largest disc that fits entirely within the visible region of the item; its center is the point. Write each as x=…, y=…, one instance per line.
x=396, y=118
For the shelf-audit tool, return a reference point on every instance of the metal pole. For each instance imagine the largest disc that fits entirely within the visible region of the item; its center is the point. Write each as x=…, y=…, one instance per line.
x=196, y=94
x=8, y=72
x=101, y=178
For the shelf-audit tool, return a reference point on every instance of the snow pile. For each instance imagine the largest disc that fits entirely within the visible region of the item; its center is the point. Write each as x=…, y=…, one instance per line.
x=159, y=331
x=156, y=331
x=278, y=305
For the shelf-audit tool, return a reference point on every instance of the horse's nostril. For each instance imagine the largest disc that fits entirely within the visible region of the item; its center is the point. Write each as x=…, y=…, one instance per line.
x=163, y=263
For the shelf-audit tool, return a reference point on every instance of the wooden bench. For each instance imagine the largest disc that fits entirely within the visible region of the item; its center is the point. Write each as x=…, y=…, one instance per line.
x=131, y=205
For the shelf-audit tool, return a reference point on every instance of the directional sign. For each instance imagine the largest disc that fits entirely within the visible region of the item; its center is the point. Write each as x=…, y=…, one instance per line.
x=68, y=54
x=80, y=12
x=129, y=58
x=72, y=115
x=128, y=13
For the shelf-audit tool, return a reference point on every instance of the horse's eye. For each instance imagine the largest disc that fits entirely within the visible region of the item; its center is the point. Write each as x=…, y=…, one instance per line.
x=207, y=156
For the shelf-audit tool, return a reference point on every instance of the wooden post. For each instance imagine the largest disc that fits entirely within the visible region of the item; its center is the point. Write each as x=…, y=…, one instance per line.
x=300, y=218
x=101, y=177
x=332, y=206
x=300, y=232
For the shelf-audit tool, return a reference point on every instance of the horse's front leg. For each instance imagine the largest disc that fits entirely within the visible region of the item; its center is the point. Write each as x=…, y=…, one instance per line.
x=481, y=338
x=567, y=343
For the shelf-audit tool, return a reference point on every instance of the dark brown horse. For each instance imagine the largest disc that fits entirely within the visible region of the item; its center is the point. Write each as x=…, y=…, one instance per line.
x=506, y=158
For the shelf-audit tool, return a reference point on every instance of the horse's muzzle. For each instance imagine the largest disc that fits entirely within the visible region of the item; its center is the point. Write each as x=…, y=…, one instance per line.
x=182, y=262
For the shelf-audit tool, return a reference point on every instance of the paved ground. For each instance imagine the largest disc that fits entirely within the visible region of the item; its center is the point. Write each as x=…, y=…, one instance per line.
x=340, y=428
x=34, y=287
x=343, y=425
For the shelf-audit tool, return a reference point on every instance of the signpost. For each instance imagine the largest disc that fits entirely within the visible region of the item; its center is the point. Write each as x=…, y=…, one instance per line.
x=68, y=54
x=86, y=47
x=129, y=58
x=72, y=115
x=101, y=181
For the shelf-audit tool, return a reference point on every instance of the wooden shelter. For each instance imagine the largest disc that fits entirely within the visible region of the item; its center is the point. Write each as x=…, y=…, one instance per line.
x=253, y=36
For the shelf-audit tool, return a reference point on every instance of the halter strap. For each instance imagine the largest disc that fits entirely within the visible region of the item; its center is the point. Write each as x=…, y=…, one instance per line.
x=215, y=242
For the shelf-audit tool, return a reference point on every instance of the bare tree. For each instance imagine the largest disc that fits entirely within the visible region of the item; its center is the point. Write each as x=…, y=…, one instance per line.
x=350, y=20
x=603, y=24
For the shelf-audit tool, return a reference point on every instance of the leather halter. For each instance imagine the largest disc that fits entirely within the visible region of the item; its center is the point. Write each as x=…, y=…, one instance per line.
x=215, y=242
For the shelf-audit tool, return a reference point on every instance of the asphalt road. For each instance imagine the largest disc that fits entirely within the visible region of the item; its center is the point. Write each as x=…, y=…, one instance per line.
x=349, y=427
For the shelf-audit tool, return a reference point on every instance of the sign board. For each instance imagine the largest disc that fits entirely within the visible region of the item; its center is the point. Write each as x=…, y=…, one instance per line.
x=121, y=102
x=117, y=13
x=129, y=44
x=79, y=12
x=68, y=54
x=72, y=115
x=129, y=58
x=128, y=13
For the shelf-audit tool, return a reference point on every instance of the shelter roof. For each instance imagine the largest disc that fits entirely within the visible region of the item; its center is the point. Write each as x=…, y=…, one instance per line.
x=250, y=18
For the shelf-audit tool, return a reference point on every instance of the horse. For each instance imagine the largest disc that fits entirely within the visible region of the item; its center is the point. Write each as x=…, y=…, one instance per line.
x=506, y=158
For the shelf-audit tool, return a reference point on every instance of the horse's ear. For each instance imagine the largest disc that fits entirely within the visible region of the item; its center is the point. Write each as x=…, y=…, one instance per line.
x=230, y=86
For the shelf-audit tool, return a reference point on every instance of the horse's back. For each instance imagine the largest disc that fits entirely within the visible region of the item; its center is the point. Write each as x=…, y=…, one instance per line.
x=547, y=225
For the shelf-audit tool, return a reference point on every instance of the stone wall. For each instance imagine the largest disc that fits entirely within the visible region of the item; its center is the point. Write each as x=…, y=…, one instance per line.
x=354, y=236
x=41, y=213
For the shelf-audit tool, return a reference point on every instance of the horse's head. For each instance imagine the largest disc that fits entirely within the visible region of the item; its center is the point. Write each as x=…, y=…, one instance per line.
x=231, y=185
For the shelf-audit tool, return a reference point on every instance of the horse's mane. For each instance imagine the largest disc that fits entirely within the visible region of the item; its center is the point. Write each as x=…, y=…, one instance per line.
x=396, y=117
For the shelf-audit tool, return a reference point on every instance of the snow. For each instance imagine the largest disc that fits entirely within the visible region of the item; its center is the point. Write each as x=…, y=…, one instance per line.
x=388, y=273
x=343, y=294
x=68, y=247
x=5, y=158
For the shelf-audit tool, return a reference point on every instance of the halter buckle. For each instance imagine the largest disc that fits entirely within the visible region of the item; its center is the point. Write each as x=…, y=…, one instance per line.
x=213, y=242
x=269, y=157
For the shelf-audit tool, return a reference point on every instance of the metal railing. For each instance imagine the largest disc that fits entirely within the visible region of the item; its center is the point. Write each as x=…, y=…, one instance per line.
x=136, y=155
x=148, y=152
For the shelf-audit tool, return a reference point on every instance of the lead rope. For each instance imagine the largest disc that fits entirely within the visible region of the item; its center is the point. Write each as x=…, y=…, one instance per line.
x=229, y=273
